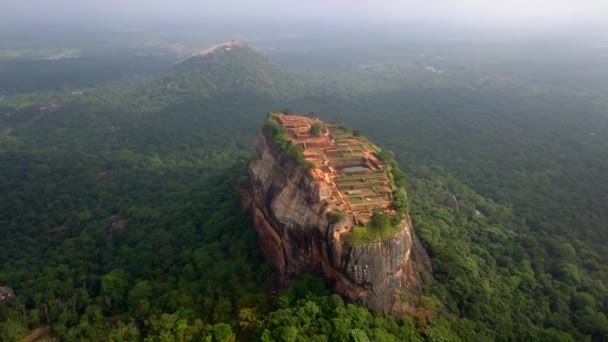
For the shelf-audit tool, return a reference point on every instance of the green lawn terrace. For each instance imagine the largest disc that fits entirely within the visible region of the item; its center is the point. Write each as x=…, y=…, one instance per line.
x=349, y=174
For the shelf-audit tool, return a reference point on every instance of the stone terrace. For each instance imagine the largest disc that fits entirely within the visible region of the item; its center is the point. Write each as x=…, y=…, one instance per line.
x=347, y=170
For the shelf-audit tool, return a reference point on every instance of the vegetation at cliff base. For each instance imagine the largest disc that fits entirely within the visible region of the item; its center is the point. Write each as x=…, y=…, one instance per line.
x=308, y=312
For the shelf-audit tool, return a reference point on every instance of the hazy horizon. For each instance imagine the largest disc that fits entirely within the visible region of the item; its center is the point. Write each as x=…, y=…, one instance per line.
x=541, y=14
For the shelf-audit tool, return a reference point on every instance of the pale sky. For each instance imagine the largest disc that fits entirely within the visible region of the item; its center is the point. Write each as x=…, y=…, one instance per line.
x=472, y=12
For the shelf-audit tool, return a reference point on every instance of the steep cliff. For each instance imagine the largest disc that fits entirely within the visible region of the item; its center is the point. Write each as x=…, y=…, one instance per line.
x=299, y=236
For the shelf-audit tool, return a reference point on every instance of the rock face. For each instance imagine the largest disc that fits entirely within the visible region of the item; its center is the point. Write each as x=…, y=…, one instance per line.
x=297, y=237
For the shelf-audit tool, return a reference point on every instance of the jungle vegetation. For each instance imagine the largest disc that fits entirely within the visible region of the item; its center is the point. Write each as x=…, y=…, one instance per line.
x=120, y=220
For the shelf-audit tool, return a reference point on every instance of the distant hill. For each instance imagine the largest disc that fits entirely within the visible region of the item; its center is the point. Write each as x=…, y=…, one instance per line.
x=228, y=67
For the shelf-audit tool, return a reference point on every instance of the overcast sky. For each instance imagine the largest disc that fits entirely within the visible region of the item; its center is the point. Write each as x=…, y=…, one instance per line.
x=469, y=12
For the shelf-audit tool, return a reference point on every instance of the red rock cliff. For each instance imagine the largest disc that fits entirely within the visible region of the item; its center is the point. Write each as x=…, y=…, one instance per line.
x=297, y=237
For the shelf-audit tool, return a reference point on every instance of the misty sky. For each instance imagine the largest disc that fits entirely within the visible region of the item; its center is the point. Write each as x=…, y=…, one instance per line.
x=470, y=12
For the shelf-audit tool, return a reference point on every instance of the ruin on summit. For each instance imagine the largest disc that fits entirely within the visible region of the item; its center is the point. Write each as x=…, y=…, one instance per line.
x=347, y=170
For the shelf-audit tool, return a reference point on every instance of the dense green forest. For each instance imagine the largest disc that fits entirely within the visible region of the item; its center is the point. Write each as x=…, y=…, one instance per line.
x=121, y=218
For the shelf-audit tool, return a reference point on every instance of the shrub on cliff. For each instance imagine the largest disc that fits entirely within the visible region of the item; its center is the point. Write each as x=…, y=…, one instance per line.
x=379, y=220
x=380, y=228
x=276, y=132
x=315, y=129
x=336, y=216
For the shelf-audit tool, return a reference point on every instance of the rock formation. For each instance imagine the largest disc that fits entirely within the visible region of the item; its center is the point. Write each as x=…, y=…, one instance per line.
x=293, y=204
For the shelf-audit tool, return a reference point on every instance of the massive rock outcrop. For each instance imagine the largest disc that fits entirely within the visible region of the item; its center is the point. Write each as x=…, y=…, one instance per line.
x=298, y=236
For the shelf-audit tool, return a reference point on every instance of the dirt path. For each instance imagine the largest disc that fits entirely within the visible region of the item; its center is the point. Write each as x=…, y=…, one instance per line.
x=37, y=333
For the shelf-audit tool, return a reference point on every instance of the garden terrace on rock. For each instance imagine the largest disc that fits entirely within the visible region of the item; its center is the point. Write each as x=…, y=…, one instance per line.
x=348, y=172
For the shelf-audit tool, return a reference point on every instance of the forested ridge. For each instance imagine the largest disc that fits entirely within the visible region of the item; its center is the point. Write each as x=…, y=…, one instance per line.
x=121, y=220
